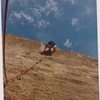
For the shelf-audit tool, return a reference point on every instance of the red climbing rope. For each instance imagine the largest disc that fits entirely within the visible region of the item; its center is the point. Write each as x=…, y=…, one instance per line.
x=4, y=35
x=23, y=73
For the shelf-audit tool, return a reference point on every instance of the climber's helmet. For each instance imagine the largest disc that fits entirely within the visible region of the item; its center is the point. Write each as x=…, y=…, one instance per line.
x=52, y=43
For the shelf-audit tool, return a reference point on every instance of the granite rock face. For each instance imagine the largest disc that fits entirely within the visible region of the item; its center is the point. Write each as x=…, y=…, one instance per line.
x=62, y=76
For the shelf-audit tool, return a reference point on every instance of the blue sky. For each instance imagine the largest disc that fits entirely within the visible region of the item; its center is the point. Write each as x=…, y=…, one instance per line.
x=70, y=23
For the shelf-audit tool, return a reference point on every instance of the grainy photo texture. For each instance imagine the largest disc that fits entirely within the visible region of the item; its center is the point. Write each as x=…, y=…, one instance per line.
x=50, y=50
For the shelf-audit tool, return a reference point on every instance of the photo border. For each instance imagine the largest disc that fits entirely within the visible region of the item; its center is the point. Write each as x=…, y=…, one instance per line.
x=1, y=50
x=1, y=57
x=98, y=34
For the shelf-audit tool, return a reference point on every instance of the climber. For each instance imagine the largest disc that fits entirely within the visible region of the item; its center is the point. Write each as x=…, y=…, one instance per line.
x=50, y=48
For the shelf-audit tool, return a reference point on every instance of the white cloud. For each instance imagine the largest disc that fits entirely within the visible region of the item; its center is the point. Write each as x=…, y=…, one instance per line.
x=75, y=21
x=37, y=12
x=51, y=6
x=21, y=14
x=67, y=43
x=87, y=11
x=27, y=17
x=43, y=23
x=17, y=15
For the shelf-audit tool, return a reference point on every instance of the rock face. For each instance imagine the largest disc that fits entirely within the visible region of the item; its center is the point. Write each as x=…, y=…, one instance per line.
x=63, y=76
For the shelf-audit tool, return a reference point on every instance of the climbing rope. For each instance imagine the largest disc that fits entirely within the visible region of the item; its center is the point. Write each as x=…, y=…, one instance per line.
x=23, y=73
x=4, y=35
